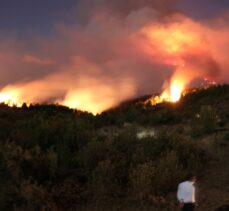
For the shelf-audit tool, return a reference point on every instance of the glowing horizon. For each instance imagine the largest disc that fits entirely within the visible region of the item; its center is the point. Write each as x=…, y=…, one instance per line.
x=115, y=55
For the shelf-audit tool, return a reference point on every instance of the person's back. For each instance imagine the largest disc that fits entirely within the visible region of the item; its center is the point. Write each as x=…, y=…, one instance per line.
x=186, y=194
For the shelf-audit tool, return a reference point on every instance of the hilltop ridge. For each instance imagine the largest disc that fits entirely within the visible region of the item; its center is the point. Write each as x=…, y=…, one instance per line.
x=127, y=158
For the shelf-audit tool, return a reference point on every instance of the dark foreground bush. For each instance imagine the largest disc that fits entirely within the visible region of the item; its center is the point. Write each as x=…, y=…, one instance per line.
x=60, y=161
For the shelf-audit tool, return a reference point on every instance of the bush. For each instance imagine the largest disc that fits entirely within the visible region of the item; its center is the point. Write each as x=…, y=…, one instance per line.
x=205, y=122
x=104, y=183
x=69, y=194
x=141, y=181
x=168, y=173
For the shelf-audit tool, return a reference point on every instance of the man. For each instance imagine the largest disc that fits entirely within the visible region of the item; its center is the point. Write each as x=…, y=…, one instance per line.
x=186, y=194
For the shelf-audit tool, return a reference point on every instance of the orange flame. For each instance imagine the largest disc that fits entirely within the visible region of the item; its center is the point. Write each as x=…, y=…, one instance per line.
x=10, y=98
x=173, y=93
x=82, y=97
x=174, y=44
x=171, y=44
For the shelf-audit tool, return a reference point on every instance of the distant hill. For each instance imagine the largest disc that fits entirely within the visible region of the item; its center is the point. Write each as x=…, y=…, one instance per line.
x=128, y=158
x=138, y=110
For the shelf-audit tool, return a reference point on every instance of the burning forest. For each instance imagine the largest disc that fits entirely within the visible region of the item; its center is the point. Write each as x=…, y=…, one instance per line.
x=108, y=56
x=109, y=104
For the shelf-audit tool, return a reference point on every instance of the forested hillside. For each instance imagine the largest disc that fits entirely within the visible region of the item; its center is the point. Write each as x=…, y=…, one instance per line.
x=128, y=158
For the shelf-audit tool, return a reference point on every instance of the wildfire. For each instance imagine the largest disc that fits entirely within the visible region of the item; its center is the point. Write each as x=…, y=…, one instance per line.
x=174, y=43
x=97, y=82
x=10, y=98
x=172, y=93
x=82, y=99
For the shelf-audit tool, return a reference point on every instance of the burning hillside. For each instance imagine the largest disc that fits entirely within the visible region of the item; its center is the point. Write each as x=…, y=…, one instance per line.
x=106, y=60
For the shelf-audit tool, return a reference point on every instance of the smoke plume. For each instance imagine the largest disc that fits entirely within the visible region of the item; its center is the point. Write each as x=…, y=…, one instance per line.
x=114, y=51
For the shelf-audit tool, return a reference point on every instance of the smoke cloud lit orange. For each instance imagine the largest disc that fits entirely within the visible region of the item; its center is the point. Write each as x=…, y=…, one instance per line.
x=96, y=65
x=67, y=88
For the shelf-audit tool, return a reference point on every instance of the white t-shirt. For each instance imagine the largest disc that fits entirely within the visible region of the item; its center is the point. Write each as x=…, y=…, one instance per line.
x=186, y=192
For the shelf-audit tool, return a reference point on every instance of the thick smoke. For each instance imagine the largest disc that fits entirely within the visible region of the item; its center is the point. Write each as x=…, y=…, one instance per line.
x=88, y=9
x=117, y=51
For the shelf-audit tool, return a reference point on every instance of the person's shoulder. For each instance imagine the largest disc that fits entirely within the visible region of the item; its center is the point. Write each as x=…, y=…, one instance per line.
x=182, y=183
x=185, y=183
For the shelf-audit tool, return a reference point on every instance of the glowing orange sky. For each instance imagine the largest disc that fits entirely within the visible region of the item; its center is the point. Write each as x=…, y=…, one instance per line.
x=107, y=60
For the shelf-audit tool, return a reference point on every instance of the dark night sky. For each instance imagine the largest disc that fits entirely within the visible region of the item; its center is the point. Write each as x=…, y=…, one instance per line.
x=34, y=15
x=39, y=16
x=203, y=8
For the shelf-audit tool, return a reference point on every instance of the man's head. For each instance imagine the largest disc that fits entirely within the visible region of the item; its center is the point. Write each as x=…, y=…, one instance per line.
x=191, y=177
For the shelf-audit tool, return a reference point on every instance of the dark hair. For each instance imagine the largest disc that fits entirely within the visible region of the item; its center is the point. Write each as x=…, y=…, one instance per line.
x=190, y=176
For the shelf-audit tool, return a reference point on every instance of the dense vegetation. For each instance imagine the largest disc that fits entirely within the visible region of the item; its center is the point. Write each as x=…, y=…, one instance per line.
x=55, y=158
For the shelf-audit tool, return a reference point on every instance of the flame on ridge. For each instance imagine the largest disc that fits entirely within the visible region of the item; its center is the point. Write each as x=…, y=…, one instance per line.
x=173, y=93
x=10, y=98
x=175, y=89
x=176, y=45
x=179, y=45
